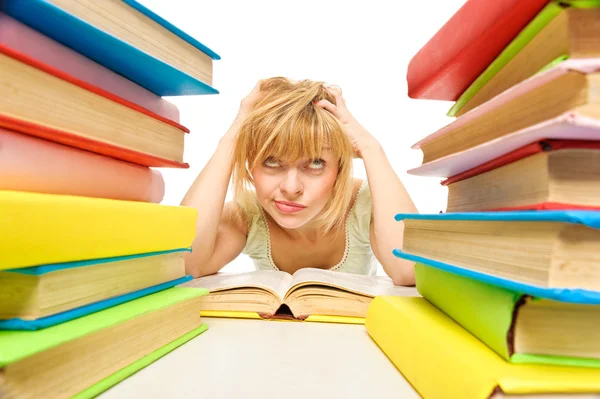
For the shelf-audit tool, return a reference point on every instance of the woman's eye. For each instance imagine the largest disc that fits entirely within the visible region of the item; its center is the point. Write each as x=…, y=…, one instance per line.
x=271, y=163
x=316, y=164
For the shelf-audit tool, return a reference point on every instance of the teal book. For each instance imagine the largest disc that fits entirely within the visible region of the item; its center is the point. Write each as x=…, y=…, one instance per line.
x=520, y=328
x=88, y=355
x=38, y=297
x=127, y=38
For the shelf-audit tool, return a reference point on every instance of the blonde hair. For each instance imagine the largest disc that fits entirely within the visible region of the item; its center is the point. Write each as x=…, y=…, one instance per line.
x=286, y=124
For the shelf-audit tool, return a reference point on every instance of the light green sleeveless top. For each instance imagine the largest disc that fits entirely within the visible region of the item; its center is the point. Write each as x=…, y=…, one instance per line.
x=358, y=257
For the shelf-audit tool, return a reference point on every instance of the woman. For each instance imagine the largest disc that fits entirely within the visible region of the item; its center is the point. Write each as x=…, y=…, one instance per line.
x=296, y=203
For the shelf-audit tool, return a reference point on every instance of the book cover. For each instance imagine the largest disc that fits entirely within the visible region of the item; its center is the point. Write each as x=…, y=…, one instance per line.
x=256, y=316
x=486, y=311
x=156, y=76
x=470, y=40
x=38, y=229
x=17, y=345
x=440, y=359
x=29, y=163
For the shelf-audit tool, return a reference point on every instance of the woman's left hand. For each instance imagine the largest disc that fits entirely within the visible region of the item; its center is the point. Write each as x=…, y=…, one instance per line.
x=358, y=135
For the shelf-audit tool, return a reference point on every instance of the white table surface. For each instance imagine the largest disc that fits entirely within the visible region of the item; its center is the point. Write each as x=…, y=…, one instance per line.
x=269, y=359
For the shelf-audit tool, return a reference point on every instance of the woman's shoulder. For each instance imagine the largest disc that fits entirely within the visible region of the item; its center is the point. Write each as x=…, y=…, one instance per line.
x=357, y=184
x=360, y=191
x=234, y=216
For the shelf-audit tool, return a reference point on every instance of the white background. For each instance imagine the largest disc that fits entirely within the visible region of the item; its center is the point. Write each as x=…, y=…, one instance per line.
x=362, y=46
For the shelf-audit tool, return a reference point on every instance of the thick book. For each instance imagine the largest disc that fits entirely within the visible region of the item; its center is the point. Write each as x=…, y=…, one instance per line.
x=125, y=37
x=309, y=294
x=462, y=49
x=560, y=31
x=568, y=126
x=566, y=88
x=518, y=327
x=43, y=101
x=69, y=358
x=547, y=254
x=36, y=292
x=127, y=371
x=22, y=38
x=29, y=163
x=440, y=359
x=68, y=315
x=551, y=174
x=38, y=229
x=565, y=91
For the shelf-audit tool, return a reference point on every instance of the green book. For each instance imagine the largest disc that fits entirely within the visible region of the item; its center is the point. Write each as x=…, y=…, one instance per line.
x=518, y=327
x=96, y=351
x=541, y=21
x=133, y=368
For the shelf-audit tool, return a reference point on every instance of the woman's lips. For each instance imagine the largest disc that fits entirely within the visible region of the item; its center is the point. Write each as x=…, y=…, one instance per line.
x=289, y=207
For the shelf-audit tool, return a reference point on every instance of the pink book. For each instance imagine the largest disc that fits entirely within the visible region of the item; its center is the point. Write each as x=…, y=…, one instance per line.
x=28, y=163
x=28, y=41
x=569, y=126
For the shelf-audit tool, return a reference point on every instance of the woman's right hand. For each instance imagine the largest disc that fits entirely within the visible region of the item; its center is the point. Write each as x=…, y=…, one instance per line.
x=248, y=102
x=245, y=106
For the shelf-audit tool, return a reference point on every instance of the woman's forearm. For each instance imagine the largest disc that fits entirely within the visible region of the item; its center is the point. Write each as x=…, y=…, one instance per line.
x=389, y=198
x=207, y=195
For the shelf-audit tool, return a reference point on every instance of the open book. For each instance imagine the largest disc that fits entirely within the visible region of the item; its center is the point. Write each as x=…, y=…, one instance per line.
x=315, y=294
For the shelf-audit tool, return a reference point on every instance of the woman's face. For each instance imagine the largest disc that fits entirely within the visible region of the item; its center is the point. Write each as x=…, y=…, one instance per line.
x=295, y=193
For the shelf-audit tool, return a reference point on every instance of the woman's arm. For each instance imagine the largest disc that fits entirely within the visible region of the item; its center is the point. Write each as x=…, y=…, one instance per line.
x=389, y=198
x=387, y=191
x=220, y=235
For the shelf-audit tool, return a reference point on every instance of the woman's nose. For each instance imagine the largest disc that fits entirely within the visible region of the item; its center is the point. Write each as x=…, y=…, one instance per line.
x=291, y=183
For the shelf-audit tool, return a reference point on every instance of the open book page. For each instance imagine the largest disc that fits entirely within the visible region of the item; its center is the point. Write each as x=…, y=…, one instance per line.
x=366, y=285
x=276, y=282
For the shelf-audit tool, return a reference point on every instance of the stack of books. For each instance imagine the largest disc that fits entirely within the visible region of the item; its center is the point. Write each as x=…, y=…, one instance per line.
x=89, y=259
x=510, y=274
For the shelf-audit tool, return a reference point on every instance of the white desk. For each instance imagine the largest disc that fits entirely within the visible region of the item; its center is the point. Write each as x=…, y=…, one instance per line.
x=261, y=359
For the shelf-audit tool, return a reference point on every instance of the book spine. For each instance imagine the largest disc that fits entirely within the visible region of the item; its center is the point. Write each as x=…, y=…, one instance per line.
x=483, y=310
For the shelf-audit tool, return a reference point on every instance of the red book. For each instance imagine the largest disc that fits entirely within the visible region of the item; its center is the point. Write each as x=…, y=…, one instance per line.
x=43, y=101
x=525, y=179
x=464, y=47
x=523, y=152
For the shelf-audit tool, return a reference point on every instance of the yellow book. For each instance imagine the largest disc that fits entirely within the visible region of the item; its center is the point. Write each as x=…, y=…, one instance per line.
x=38, y=229
x=442, y=360
x=254, y=315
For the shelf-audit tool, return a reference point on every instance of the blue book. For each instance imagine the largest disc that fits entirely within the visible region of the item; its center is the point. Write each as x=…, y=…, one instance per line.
x=49, y=321
x=545, y=254
x=114, y=52
x=37, y=297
